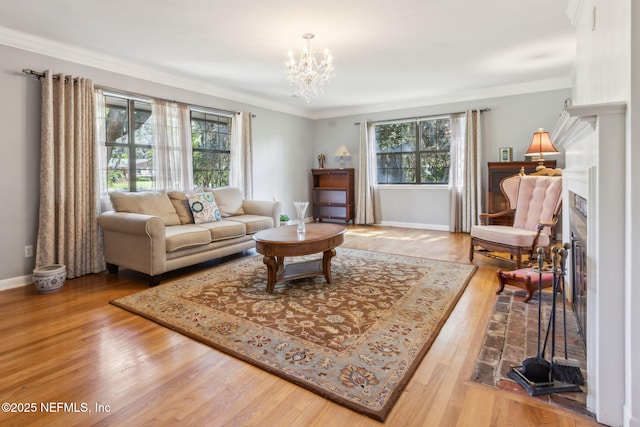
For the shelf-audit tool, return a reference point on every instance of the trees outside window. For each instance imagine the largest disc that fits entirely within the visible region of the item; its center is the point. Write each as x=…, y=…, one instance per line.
x=130, y=145
x=211, y=139
x=413, y=152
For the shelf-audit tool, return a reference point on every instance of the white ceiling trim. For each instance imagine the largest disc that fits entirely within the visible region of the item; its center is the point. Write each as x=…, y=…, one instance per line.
x=89, y=58
x=86, y=57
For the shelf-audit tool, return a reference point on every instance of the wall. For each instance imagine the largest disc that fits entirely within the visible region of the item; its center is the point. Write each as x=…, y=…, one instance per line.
x=510, y=123
x=281, y=146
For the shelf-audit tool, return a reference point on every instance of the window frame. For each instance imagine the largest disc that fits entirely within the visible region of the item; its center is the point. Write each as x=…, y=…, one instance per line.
x=129, y=101
x=417, y=153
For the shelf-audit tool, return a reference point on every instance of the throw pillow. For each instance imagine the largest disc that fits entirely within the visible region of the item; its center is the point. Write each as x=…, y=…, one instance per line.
x=155, y=203
x=229, y=199
x=203, y=207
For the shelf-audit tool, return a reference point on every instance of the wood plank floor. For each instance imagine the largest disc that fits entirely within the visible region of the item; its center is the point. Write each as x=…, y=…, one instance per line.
x=120, y=369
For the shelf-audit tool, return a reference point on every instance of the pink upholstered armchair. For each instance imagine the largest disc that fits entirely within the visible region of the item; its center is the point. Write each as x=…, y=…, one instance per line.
x=536, y=201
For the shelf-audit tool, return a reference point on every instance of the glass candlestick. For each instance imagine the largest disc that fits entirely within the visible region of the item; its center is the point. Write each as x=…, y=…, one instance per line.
x=301, y=208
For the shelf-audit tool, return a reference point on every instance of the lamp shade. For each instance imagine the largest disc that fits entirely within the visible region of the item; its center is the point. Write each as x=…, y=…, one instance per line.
x=342, y=151
x=540, y=144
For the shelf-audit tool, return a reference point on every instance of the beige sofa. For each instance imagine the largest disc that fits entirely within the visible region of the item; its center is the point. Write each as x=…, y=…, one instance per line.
x=156, y=232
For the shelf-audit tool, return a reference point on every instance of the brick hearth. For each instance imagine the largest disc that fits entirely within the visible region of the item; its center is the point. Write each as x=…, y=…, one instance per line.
x=511, y=337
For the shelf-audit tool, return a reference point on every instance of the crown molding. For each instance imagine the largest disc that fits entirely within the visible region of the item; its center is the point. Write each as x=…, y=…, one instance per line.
x=46, y=47
x=492, y=92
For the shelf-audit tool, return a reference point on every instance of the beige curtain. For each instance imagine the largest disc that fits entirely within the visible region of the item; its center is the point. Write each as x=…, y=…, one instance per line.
x=68, y=227
x=241, y=171
x=367, y=180
x=465, y=180
x=172, y=158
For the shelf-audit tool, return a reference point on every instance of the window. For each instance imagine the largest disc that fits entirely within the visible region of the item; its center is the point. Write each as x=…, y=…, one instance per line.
x=210, y=138
x=129, y=142
x=130, y=145
x=413, y=152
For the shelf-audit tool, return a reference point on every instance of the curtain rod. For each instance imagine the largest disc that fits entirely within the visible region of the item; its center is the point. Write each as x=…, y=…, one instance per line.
x=482, y=110
x=40, y=75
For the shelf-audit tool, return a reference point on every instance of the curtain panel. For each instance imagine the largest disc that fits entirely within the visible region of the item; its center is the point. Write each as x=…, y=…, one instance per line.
x=68, y=214
x=172, y=156
x=465, y=180
x=241, y=168
x=366, y=191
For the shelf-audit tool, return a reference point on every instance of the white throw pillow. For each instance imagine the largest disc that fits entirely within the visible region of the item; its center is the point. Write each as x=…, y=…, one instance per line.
x=203, y=207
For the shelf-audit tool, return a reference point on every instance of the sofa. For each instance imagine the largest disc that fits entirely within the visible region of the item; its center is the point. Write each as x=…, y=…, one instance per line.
x=155, y=232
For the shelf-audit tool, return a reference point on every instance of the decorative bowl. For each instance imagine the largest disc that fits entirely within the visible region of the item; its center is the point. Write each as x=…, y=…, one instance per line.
x=49, y=278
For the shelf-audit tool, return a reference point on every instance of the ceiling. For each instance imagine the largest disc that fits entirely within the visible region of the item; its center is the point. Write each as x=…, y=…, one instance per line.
x=387, y=54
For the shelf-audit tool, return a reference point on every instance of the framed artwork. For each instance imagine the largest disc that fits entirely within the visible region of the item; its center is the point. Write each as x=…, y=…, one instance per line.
x=505, y=154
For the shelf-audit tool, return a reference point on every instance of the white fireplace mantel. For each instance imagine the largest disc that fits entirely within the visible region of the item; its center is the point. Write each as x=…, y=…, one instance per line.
x=593, y=139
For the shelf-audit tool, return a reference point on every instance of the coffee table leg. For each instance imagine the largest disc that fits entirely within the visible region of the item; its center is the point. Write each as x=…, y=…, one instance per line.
x=272, y=272
x=326, y=263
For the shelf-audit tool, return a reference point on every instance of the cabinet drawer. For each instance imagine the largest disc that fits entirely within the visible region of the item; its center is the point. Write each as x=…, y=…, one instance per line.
x=336, y=212
x=326, y=196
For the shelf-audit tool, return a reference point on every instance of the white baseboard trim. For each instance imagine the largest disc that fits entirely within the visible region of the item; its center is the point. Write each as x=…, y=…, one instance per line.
x=15, y=282
x=438, y=227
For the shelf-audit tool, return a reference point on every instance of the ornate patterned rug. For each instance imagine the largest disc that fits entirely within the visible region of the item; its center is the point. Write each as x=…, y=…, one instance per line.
x=356, y=341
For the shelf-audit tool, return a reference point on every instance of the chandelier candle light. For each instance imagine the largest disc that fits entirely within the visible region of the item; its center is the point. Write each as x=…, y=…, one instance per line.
x=307, y=75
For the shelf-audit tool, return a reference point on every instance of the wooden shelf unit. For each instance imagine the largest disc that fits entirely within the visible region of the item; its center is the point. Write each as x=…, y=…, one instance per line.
x=497, y=171
x=333, y=194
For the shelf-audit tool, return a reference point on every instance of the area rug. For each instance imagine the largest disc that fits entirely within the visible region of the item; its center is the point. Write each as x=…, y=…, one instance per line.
x=356, y=341
x=511, y=337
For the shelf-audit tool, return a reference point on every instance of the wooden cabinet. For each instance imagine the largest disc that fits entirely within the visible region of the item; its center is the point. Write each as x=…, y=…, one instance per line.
x=333, y=194
x=497, y=171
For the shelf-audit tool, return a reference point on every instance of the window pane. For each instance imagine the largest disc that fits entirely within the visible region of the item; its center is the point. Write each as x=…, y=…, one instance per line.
x=397, y=137
x=396, y=168
x=210, y=136
x=435, y=134
x=434, y=167
x=117, y=119
x=118, y=168
x=210, y=169
x=143, y=123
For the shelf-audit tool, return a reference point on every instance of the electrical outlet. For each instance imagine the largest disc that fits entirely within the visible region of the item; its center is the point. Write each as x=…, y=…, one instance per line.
x=28, y=251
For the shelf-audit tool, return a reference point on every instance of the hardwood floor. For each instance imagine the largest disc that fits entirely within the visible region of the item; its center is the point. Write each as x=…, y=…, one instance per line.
x=74, y=347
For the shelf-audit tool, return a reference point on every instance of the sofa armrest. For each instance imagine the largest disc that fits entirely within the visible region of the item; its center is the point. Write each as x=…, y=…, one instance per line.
x=132, y=223
x=134, y=241
x=263, y=208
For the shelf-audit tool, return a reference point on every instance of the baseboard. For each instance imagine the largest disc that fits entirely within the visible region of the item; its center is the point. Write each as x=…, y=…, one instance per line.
x=15, y=282
x=437, y=227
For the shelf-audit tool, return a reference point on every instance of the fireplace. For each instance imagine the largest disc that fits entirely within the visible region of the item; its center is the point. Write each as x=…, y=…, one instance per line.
x=578, y=229
x=593, y=140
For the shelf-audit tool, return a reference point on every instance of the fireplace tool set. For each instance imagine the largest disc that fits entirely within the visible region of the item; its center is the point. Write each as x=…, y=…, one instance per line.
x=538, y=375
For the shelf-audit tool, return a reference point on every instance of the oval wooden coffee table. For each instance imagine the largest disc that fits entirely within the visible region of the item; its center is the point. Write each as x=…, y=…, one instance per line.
x=277, y=243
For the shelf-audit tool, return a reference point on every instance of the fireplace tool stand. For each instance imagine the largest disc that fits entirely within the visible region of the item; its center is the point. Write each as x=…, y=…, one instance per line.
x=536, y=374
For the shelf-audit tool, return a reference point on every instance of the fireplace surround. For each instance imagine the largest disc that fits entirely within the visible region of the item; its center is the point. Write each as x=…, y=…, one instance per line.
x=593, y=139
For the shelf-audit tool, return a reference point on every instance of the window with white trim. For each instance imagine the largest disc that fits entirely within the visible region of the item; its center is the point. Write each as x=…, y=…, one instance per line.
x=415, y=151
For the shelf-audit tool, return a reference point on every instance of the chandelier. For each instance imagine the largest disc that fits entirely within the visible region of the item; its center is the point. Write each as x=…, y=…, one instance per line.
x=307, y=75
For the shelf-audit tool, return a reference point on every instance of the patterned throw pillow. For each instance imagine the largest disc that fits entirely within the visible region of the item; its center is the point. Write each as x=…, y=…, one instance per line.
x=203, y=207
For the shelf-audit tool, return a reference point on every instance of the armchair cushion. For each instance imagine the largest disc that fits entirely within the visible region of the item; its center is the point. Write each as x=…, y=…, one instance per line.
x=511, y=236
x=538, y=199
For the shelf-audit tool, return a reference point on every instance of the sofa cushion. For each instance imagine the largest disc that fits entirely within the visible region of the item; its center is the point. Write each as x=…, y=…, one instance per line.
x=203, y=207
x=154, y=203
x=253, y=223
x=185, y=236
x=181, y=205
x=225, y=229
x=229, y=200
